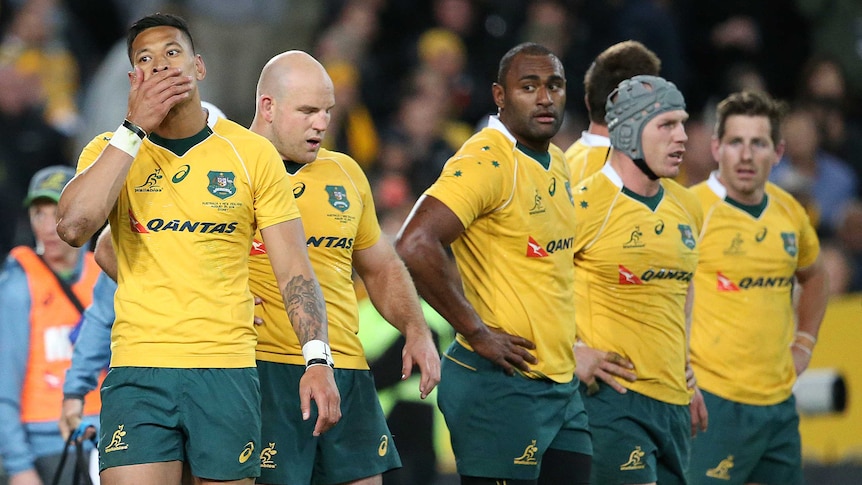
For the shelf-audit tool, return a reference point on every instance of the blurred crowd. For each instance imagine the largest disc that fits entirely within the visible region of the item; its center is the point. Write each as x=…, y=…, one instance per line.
x=412, y=81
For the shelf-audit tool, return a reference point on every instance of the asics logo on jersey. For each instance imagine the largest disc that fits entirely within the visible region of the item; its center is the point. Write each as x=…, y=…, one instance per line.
x=181, y=174
x=535, y=250
x=760, y=236
x=298, y=189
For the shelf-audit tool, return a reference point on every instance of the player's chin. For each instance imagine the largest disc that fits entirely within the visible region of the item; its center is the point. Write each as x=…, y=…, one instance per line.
x=546, y=131
x=310, y=155
x=671, y=171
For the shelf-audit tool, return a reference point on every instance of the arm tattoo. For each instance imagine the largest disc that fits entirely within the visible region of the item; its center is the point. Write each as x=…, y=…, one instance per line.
x=305, y=308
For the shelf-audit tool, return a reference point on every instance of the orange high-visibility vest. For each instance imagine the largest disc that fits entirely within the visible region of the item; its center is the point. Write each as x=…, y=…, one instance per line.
x=52, y=318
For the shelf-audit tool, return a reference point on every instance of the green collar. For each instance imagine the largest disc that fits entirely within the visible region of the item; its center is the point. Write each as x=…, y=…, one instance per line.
x=755, y=210
x=651, y=202
x=544, y=158
x=181, y=146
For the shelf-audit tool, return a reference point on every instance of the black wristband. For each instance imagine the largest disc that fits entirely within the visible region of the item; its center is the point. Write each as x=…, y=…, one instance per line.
x=135, y=129
x=312, y=362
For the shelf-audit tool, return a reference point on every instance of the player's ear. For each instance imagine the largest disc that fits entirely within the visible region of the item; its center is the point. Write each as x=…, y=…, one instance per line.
x=499, y=95
x=714, y=146
x=779, y=152
x=200, y=68
x=265, y=107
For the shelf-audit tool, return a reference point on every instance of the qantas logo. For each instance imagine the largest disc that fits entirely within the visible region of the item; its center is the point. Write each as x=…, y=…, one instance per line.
x=176, y=225
x=627, y=277
x=535, y=250
x=724, y=283
x=257, y=247
x=330, y=242
x=136, y=226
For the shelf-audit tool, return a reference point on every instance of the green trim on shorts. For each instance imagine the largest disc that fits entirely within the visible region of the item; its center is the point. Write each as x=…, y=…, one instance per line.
x=208, y=418
x=502, y=425
x=359, y=446
x=747, y=444
x=637, y=439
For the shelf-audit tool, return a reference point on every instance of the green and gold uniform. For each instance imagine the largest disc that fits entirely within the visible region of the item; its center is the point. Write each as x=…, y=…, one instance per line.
x=742, y=326
x=334, y=197
x=634, y=260
x=182, y=228
x=514, y=258
x=587, y=156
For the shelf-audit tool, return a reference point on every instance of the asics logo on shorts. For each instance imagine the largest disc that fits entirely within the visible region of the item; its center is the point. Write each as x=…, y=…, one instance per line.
x=116, y=443
x=246, y=452
x=383, y=447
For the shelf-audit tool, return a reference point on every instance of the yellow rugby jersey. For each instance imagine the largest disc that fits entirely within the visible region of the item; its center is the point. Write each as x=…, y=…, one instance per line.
x=743, y=321
x=634, y=259
x=515, y=256
x=587, y=156
x=182, y=229
x=335, y=200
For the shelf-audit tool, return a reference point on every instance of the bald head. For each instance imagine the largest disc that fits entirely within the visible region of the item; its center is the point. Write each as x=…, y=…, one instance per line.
x=289, y=70
x=294, y=97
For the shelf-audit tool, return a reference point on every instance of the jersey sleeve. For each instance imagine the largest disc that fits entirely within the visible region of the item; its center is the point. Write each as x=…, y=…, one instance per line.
x=368, y=232
x=273, y=198
x=92, y=151
x=471, y=187
x=809, y=244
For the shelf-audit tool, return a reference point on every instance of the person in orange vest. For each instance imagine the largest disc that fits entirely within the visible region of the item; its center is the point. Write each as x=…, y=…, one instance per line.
x=43, y=292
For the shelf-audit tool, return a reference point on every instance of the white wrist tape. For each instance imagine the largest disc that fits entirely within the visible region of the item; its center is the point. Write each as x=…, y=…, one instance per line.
x=807, y=336
x=126, y=140
x=317, y=352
